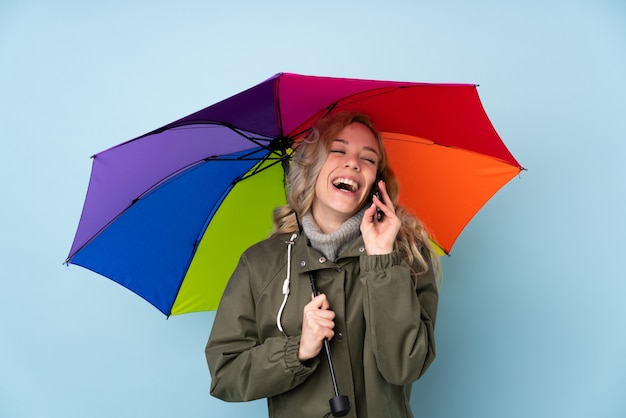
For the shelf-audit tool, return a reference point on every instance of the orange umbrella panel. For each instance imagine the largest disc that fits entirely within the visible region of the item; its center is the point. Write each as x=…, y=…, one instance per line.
x=444, y=186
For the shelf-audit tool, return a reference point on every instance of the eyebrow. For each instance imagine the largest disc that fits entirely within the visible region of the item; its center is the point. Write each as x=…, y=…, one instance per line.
x=345, y=142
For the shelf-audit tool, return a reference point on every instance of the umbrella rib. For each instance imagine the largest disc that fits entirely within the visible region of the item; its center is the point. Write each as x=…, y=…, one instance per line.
x=275, y=160
x=254, y=140
x=190, y=125
x=259, y=169
x=355, y=98
x=279, y=116
x=265, y=143
x=430, y=142
x=245, y=157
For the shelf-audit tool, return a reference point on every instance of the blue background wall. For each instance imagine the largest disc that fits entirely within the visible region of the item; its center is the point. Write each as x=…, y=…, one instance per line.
x=532, y=315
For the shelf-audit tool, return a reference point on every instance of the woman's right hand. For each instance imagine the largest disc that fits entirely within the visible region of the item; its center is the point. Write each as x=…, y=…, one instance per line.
x=317, y=324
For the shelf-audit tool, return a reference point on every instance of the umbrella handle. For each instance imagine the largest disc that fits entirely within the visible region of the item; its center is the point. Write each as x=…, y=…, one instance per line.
x=339, y=404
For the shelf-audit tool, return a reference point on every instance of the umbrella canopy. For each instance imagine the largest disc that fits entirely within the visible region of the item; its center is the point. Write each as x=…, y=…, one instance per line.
x=167, y=214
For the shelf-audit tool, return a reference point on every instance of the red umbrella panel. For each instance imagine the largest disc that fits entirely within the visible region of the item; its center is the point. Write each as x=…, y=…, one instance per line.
x=443, y=148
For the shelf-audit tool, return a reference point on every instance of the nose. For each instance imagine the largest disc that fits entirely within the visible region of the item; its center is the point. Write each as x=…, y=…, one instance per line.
x=352, y=162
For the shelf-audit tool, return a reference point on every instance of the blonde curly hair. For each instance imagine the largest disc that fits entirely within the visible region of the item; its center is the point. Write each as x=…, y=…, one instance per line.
x=306, y=163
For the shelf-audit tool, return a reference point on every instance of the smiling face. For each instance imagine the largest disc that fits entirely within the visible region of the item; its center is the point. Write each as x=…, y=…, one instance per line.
x=346, y=178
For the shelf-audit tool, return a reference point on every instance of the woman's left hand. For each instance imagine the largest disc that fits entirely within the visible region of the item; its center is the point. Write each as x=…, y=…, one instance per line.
x=379, y=236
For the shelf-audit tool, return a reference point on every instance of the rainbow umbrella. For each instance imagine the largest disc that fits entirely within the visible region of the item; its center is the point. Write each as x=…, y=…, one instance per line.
x=168, y=214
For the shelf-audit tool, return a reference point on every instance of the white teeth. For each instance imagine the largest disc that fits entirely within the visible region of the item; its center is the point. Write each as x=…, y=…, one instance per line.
x=346, y=184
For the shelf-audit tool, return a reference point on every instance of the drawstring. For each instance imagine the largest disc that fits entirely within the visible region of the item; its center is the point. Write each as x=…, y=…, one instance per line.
x=286, y=284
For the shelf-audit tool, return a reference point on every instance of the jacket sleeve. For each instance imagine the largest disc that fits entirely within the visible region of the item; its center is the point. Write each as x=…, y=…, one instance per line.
x=400, y=312
x=242, y=366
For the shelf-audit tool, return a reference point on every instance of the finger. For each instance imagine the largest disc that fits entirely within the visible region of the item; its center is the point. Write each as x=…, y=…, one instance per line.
x=386, y=199
x=368, y=215
x=328, y=334
x=320, y=328
x=385, y=195
x=382, y=186
x=388, y=210
x=314, y=314
x=315, y=327
x=320, y=302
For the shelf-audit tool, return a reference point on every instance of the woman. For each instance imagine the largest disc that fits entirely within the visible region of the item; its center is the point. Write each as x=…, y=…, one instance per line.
x=377, y=298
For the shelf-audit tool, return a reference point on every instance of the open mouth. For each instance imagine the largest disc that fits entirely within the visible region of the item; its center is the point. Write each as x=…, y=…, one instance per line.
x=346, y=184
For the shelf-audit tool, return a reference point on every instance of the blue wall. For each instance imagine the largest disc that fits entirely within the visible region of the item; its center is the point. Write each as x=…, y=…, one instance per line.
x=532, y=315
